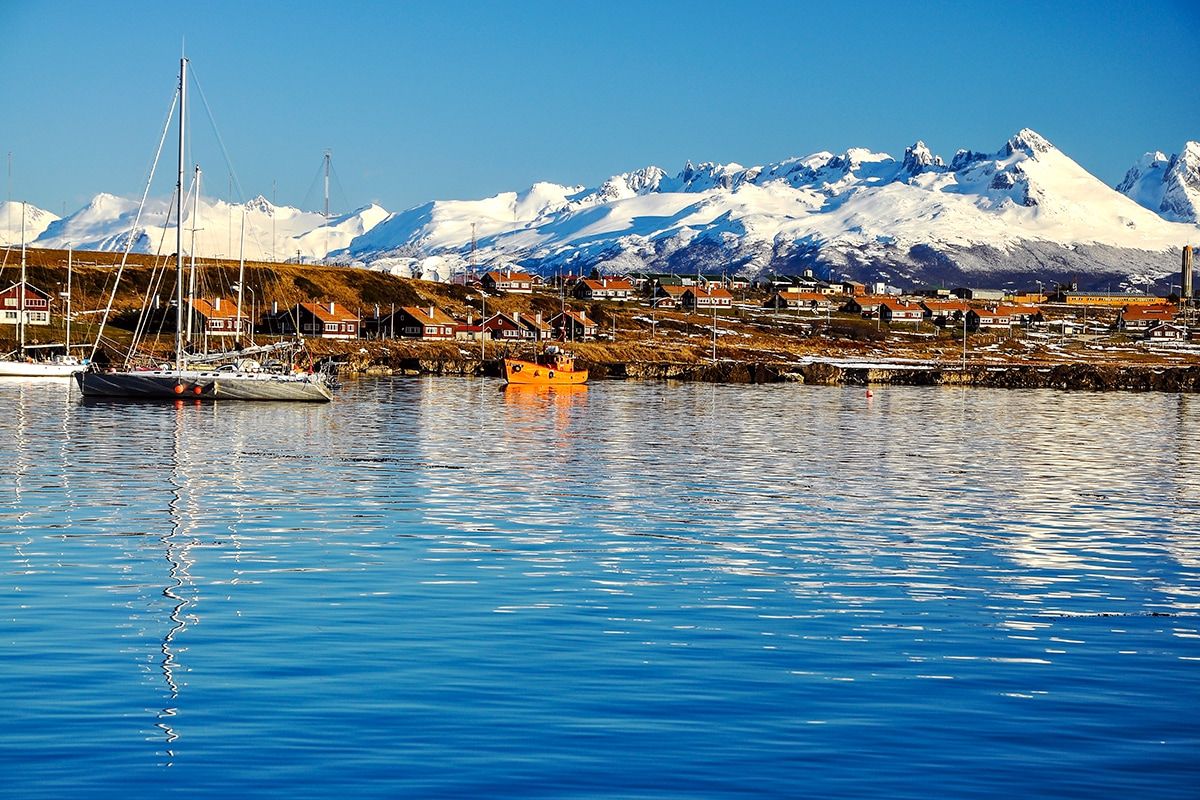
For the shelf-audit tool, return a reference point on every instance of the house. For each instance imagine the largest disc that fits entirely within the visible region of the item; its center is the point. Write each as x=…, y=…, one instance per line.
x=854, y=288
x=706, y=298
x=668, y=296
x=813, y=302
x=1139, y=319
x=420, y=322
x=1166, y=332
x=573, y=326
x=979, y=318
x=325, y=320
x=604, y=289
x=507, y=281
x=538, y=327
x=515, y=328
x=37, y=305
x=945, y=312
x=865, y=304
x=899, y=311
x=218, y=317
x=1021, y=314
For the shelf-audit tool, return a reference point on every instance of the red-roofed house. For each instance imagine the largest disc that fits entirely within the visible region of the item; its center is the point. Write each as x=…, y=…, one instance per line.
x=574, y=326
x=37, y=305
x=706, y=298
x=978, y=318
x=218, y=316
x=1142, y=318
x=324, y=320
x=866, y=304
x=899, y=311
x=805, y=301
x=945, y=312
x=508, y=281
x=420, y=322
x=604, y=289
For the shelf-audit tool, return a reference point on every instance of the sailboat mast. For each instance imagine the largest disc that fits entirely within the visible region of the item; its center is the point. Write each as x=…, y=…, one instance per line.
x=68, y=333
x=328, y=156
x=192, y=276
x=241, y=277
x=179, y=218
x=21, y=312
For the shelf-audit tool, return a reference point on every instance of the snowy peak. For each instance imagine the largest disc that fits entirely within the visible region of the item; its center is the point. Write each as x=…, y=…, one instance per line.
x=917, y=158
x=1167, y=186
x=1027, y=141
x=36, y=222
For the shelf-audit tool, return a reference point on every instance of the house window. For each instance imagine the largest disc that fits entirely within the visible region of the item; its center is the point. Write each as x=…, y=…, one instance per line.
x=10, y=315
x=10, y=302
x=430, y=331
x=331, y=327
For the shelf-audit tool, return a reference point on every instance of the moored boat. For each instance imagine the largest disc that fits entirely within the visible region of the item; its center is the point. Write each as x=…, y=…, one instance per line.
x=553, y=367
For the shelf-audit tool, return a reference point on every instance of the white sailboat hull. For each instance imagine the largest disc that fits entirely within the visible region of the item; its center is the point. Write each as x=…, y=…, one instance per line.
x=205, y=385
x=38, y=369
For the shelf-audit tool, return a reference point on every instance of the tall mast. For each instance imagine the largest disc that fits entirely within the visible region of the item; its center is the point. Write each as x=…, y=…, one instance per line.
x=192, y=277
x=67, y=335
x=241, y=276
x=21, y=312
x=179, y=218
x=328, y=157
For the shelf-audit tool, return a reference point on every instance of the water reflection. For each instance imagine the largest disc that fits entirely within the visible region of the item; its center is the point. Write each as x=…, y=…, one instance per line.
x=564, y=572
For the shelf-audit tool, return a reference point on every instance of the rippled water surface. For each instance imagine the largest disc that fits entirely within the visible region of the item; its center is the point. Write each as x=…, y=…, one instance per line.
x=437, y=587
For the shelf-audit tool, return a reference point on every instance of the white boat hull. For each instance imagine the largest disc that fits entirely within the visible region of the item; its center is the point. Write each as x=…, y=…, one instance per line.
x=205, y=385
x=39, y=369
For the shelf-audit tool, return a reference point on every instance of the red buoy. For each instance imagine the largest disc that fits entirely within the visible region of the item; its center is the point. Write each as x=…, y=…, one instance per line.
x=179, y=388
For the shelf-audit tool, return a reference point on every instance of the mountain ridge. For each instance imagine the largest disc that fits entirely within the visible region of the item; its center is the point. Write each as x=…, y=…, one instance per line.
x=1025, y=212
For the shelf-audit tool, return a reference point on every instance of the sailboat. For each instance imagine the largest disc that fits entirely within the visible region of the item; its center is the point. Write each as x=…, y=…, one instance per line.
x=203, y=376
x=20, y=363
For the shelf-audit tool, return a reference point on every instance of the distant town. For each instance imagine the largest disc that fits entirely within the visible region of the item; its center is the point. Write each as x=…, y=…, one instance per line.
x=351, y=313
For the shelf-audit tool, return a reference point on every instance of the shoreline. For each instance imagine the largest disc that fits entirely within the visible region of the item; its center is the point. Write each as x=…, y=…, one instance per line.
x=1067, y=376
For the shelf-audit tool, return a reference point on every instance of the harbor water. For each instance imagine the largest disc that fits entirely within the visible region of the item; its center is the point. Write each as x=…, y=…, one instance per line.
x=438, y=587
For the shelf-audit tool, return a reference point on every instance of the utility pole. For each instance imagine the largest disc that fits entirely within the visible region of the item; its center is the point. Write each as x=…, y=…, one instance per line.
x=714, y=349
x=474, y=245
x=274, y=202
x=964, y=364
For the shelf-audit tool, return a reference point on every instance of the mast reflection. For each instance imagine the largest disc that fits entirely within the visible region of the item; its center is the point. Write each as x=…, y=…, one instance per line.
x=177, y=551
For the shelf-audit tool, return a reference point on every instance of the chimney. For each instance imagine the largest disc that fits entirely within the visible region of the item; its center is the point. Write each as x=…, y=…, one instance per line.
x=539, y=318
x=516, y=315
x=470, y=319
x=274, y=306
x=332, y=307
x=217, y=304
x=583, y=316
x=431, y=312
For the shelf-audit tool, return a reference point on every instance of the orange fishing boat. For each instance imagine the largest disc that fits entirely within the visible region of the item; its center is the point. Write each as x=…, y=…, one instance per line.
x=554, y=367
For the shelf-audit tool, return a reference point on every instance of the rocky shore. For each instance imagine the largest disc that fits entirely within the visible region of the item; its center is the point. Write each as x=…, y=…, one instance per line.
x=1077, y=376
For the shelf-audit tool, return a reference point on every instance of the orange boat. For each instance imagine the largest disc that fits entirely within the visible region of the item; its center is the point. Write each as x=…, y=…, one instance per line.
x=554, y=367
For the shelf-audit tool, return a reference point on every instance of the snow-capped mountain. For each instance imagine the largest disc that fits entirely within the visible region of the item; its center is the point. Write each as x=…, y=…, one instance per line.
x=279, y=232
x=1169, y=186
x=1024, y=212
x=36, y=221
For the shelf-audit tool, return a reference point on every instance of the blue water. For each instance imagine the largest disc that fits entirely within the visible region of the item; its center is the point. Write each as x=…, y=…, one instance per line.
x=438, y=588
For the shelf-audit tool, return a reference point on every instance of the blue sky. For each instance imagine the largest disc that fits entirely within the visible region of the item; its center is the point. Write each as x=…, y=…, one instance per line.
x=427, y=100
